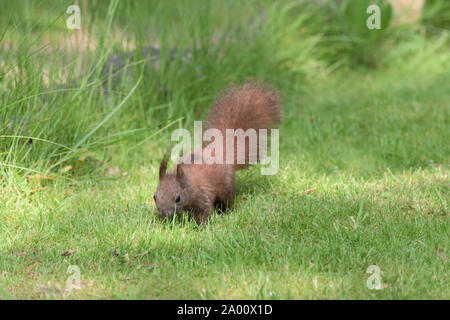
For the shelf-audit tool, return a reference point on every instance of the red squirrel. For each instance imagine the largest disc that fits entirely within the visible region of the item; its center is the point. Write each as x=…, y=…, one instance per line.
x=200, y=188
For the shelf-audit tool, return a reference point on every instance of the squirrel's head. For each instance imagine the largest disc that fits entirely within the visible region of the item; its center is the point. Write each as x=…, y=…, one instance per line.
x=171, y=196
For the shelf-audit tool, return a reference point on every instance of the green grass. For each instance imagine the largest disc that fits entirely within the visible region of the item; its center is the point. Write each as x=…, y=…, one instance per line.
x=364, y=154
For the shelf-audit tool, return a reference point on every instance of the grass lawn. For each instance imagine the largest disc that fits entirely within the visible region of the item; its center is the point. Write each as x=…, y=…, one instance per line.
x=363, y=177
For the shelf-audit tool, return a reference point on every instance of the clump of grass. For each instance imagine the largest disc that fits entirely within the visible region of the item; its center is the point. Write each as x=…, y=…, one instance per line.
x=436, y=15
x=178, y=79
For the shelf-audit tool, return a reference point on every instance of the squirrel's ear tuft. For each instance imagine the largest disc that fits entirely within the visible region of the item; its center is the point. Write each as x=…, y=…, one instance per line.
x=181, y=177
x=163, y=166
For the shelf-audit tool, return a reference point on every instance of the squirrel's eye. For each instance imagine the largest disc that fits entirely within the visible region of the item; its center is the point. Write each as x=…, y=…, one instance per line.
x=177, y=199
x=154, y=198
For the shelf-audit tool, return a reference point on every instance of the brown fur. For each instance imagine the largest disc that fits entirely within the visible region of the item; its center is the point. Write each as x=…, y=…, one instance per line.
x=199, y=188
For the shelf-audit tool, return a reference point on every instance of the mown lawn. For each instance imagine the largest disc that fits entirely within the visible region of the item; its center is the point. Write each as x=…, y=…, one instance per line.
x=363, y=177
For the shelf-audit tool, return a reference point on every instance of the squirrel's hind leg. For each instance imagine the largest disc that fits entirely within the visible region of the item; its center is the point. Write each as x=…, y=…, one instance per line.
x=223, y=205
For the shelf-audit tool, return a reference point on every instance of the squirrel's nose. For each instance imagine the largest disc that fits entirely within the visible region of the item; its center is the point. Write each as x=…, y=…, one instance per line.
x=166, y=213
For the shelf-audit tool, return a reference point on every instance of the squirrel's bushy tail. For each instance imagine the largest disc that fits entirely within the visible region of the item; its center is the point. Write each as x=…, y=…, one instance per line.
x=249, y=106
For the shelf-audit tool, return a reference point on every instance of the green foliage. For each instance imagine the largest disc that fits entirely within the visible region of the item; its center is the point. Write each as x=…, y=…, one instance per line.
x=437, y=14
x=347, y=35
